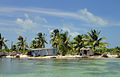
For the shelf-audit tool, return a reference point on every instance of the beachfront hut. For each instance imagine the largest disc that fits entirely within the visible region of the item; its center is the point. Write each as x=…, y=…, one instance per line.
x=43, y=52
x=35, y=52
x=86, y=51
x=49, y=51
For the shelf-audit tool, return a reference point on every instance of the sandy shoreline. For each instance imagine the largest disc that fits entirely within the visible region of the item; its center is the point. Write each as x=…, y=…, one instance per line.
x=60, y=57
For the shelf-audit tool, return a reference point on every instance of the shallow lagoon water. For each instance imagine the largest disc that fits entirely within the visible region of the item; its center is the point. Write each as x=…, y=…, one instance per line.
x=101, y=67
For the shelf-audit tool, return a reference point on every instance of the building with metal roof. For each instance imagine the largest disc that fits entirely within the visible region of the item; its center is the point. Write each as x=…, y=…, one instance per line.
x=43, y=52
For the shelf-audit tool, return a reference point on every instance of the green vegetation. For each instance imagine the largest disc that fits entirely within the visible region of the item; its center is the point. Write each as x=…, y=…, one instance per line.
x=39, y=41
x=112, y=51
x=55, y=35
x=79, y=42
x=22, y=44
x=94, y=41
x=2, y=43
x=63, y=42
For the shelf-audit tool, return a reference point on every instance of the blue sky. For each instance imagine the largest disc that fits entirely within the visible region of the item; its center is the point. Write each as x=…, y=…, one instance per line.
x=28, y=17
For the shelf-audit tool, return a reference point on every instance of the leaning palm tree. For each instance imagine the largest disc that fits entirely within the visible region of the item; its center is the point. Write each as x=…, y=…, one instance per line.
x=94, y=41
x=22, y=44
x=2, y=43
x=55, y=37
x=41, y=41
x=64, y=43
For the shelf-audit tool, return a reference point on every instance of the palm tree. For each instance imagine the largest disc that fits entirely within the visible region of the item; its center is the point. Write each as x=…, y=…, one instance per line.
x=64, y=43
x=34, y=44
x=55, y=37
x=40, y=40
x=94, y=40
x=79, y=42
x=14, y=48
x=22, y=44
x=2, y=43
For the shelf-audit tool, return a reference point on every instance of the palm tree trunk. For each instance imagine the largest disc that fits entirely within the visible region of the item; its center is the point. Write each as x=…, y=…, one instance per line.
x=64, y=52
x=93, y=50
x=79, y=51
x=0, y=48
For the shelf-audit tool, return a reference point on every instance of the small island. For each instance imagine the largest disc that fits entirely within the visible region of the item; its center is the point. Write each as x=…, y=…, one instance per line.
x=89, y=45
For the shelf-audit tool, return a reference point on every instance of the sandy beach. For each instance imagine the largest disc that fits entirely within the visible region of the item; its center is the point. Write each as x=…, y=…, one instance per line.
x=61, y=57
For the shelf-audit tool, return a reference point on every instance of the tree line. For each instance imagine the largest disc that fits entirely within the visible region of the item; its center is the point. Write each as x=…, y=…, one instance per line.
x=60, y=40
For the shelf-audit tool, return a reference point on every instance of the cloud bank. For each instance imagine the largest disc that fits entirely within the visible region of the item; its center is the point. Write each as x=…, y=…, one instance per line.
x=82, y=15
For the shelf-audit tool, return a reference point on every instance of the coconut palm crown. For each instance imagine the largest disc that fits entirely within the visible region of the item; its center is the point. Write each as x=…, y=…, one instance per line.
x=40, y=40
x=94, y=40
x=22, y=44
x=55, y=38
x=64, y=43
x=79, y=42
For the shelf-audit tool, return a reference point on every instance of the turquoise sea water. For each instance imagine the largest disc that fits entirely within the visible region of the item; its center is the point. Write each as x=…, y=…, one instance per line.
x=104, y=67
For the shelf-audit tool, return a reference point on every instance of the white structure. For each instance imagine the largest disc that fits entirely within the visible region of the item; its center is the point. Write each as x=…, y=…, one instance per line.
x=86, y=51
x=43, y=52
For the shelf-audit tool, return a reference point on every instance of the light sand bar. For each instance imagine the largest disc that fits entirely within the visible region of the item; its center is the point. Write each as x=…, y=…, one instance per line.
x=61, y=57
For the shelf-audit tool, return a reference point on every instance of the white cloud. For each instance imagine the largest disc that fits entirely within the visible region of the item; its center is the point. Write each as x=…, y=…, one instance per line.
x=30, y=24
x=26, y=15
x=38, y=18
x=36, y=22
x=26, y=24
x=82, y=14
x=92, y=19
